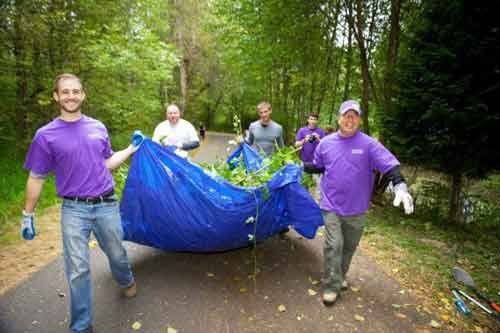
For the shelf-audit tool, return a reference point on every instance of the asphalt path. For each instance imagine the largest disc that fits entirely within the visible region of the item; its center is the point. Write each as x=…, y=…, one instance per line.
x=190, y=292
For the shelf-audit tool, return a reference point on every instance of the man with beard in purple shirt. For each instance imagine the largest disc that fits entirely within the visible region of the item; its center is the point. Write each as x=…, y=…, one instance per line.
x=77, y=149
x=347, y=160
x=308, y=138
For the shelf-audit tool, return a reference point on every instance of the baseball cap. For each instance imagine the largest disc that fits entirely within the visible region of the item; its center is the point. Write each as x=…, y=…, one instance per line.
x=350, y=105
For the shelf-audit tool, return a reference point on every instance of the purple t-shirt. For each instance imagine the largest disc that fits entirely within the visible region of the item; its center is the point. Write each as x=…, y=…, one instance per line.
x=75, y=152
x=307, y=151
x=347, y=183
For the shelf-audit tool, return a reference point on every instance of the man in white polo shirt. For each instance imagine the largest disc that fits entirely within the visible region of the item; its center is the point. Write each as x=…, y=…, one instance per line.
x=176, y=132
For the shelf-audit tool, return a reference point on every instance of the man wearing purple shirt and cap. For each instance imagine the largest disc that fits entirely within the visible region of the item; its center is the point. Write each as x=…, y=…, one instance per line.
x=77, y=149
x=347, y=160
x=308, y=138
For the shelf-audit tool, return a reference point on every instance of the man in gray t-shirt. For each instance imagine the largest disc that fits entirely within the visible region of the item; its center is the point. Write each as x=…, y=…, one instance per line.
x=264, y=133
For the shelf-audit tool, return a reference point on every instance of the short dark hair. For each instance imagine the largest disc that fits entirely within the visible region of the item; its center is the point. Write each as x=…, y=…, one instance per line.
x=65, y=76
x=314, y=114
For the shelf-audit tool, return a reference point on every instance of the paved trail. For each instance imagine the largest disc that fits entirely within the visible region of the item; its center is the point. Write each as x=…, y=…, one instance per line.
x=213, y=293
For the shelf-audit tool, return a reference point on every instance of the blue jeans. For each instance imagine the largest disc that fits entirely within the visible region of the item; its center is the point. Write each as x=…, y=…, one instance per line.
x=78, y=220
x=342, y=236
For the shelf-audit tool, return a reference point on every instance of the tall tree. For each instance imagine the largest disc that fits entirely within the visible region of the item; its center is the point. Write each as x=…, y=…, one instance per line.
x=357, y=18
x=391, y=58
x=447, y=113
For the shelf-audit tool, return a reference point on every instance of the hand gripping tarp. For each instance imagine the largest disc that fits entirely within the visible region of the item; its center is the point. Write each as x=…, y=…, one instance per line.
x=172, y=204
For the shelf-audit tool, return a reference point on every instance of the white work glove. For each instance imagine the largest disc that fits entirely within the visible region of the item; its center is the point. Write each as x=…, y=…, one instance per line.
x=401, y=195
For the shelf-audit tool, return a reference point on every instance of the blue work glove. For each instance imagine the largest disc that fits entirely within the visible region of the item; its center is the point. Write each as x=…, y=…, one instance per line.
x=137, y=139
x=28, y=226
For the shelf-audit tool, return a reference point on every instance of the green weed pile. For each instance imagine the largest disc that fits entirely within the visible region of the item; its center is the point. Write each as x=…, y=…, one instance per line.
x=270, y=165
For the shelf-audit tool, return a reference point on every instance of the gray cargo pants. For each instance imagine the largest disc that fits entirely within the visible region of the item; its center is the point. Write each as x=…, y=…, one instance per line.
x=342, y=235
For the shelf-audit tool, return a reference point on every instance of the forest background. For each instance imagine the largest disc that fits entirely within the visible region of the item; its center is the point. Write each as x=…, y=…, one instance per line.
x=425, y=72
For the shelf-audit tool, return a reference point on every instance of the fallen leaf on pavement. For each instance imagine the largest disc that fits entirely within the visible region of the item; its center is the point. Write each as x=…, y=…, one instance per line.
x=435, y=324
x=243, y=290
x=396, y=306
x=359, y=318
x=171, y=330
x=210, y=274
x=427, y=310
x=445, y=317
x=136, y=326
x=355, y=289
x=400, y=315
x=281, y=308
x=311, y=292
x=313, y=282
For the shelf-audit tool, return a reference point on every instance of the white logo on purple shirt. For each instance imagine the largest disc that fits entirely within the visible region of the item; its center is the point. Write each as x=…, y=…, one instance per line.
x=357, y=151
x=97, y=136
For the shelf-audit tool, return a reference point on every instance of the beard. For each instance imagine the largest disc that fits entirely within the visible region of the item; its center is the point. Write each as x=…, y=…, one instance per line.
x=73, y=108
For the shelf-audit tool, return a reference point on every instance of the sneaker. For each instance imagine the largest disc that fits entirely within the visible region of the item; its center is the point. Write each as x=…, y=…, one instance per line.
x=329, y=298
x=345, y=285
x=130, y=291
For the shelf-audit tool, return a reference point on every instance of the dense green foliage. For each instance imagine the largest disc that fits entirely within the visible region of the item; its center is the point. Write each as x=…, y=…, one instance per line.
x=425, y=71
x=270, y=165
x=120, y=51
x=283, y=52
x=448, y=82
x=447, y=109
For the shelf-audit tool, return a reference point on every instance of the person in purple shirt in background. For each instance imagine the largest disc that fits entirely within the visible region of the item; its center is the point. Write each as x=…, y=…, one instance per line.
x=347, y=160
x=308, y=138
x=77, y=149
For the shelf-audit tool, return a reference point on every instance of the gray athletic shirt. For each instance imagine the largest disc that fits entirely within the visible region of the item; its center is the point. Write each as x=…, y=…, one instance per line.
x=265, y=137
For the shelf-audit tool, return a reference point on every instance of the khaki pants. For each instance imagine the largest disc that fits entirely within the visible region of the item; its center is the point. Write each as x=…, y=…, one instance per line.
x=342, y=236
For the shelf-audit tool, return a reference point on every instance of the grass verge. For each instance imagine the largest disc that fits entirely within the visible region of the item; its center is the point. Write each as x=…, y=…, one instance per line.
x=12, y=192
x=421, y=255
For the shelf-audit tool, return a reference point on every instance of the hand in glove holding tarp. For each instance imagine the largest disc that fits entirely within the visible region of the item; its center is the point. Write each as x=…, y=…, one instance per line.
x=28, y=231
x=137, y=139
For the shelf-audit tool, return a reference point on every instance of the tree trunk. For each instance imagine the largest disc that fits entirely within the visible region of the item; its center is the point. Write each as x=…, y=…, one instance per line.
x=392, y=53
x=326, y=78
x=183, y=41
x=348, y=70
x=183, y=76
x=21, y=79
x=329, y=55
x=365, y=95
x=455, y=212
x=286, y=92
x=311, y=95
x=338, y=70
x=358, y=27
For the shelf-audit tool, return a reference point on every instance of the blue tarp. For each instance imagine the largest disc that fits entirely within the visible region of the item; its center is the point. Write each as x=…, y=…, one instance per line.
x=172, y=204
